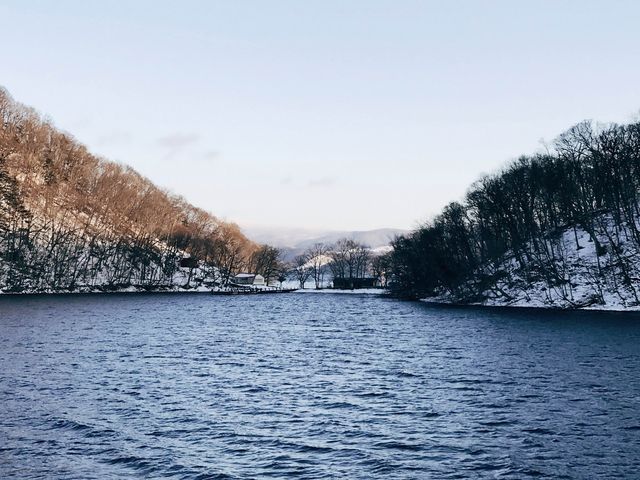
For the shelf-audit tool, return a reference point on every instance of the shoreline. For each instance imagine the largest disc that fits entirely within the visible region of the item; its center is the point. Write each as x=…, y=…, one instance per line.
x=179, y=291
x=330, y=291
x=539, y=308
x=62, y=293
x=360, y=291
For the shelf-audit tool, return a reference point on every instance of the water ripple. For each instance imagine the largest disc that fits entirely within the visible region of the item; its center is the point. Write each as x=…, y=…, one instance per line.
x=313, y=387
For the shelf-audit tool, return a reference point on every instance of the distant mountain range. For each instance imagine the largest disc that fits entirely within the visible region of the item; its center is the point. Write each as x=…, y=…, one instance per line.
x=294, y=241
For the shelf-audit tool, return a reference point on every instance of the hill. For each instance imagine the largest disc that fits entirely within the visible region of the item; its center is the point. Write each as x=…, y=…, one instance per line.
x=71, y=221
x=559, y=229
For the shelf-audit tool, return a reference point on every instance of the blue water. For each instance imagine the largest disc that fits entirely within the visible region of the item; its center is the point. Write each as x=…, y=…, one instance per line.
x=313, y=386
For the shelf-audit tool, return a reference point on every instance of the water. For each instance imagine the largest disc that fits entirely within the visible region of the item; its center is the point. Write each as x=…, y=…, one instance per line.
x=313, y=386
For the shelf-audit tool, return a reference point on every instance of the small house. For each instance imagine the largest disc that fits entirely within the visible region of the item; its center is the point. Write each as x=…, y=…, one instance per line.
x=244, y=279
x=248, y=279
x=354, y=283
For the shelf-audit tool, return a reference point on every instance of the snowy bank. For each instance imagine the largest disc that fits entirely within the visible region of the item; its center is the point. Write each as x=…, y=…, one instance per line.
x=360, y=291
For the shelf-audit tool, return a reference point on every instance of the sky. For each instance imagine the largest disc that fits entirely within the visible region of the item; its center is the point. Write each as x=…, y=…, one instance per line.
x=321, y=114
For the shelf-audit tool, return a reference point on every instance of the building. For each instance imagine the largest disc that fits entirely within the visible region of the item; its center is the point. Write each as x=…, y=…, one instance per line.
x=248, y=279
x=354, y=283
x=188, y=262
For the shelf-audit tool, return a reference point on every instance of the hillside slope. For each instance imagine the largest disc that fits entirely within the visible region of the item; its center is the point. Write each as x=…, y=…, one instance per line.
x=559, y=229
x=576, y=276
x=70, y=221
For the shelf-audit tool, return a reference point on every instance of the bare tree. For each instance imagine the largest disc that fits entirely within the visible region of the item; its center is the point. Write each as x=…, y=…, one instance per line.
x=69, y=219
x=317, y=256
x=301, y=269
x=349, y=260
x=266, y=261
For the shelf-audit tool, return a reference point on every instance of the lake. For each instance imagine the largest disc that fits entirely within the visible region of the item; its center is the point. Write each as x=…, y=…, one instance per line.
x=313, y=386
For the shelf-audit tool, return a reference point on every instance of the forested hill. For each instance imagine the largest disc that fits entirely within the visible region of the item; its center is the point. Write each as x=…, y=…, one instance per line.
x=553, y=229
x=72, y=221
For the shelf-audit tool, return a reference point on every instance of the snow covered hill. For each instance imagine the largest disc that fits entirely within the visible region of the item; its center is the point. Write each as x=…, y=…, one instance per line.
x=575, y=274
x=72, y=221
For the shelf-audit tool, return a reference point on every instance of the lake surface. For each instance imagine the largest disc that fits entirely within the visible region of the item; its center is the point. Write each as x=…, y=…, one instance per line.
x=313, y=386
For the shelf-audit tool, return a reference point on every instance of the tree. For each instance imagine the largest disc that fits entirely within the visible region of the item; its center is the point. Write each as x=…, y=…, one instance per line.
x=266, y=261
x=301, y=269
x=381, y=268
x=317, y=256
x=588, y=180
x=349, y=259
x=69, y=219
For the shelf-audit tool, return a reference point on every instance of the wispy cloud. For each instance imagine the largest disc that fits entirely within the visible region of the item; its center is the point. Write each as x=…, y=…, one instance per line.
x=176, y=141
x=114, y=138
x=322, y=182
x=210, y=156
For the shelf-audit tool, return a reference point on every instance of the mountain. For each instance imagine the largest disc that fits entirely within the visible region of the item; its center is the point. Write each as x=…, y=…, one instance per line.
x=294, y=241
x=381, y=237
x=556, y=229
x=71, y=221
x=282, y=237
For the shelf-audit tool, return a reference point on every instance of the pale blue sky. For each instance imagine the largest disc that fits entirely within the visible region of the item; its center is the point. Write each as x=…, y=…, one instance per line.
x=321, y=114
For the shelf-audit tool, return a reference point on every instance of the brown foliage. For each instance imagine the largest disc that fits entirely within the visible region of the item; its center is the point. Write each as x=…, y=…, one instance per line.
x=68, y=204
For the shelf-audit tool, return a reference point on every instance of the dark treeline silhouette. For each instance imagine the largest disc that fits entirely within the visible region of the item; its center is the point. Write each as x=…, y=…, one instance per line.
x=529, y=218
x=71, y=220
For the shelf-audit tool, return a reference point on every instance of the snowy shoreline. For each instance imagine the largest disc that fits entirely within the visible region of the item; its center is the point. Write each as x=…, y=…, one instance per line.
x=97, y=291
x=360, y=291
x=433, y=301
x=180, y=290
x=530, y=305
x=586, y=279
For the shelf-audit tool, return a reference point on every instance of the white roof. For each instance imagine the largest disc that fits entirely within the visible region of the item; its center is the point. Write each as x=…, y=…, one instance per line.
x=244, y=275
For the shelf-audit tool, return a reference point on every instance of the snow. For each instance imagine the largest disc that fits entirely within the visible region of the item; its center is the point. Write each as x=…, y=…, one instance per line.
x=317, y=261
x=588, y=281
x=382, y=250
x=360, y=291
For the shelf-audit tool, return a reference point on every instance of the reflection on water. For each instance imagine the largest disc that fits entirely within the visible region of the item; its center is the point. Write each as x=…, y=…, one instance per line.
x=313, y=386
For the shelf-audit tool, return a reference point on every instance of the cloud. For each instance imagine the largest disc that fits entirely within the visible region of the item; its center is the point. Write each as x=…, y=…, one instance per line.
x=210, y=156
x=114, y=138
x=322, y=182
x=177, y=141
x=174, y=144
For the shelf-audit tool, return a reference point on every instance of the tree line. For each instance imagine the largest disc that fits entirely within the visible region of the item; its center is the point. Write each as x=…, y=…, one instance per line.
x=588, y=180
x=70, y=219
x=346, y=259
